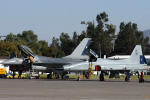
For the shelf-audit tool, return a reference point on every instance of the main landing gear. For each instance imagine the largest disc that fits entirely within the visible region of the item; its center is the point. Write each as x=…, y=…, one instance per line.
x=127, y=78
x=101, y=76
x=141, y=78
x=49, y=76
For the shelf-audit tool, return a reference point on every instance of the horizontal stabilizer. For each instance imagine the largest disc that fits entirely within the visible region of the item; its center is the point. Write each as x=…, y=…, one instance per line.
x=93, y=53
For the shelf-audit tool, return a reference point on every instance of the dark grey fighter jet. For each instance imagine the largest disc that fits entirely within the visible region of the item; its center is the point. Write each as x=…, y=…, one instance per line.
x=78, y=55
x=48, y=64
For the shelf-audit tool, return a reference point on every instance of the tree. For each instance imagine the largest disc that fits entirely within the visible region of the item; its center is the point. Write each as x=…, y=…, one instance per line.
x=128, y=37
x=91, y=30
x=66, y=43
x=55, y=49
x=42, y=47
x=82, y=36
x=10, y=37
x=75, y=41
x=29, y=38
x=7, y=48
x=102, y=33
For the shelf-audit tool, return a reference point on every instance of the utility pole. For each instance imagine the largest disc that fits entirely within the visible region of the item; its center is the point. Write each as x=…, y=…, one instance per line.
x=114, y=37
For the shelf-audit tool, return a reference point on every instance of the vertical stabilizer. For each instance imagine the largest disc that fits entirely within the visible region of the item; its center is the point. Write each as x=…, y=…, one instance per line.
x=79, y=52
x=136, y=54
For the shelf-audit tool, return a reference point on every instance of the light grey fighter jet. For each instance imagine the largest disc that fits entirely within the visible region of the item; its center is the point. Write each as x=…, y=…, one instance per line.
x=136, y=62
x=49, y=64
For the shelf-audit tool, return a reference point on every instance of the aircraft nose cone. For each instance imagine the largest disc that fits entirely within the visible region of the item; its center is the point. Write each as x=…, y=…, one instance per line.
x=2, y=60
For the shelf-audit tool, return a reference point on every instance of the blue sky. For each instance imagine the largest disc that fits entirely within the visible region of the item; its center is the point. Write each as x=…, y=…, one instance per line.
x=48, y=18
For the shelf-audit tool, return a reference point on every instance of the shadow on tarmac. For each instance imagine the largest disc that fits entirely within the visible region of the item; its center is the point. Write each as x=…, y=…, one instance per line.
x=83, y=80
x=108, y=80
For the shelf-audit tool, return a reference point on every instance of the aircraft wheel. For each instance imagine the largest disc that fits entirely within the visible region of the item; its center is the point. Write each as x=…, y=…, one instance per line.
x=66, y=77
x=57, y=76
x=37, y=77
x=141, y=80
x=62, y=77
x=49, y=76
x=13, y=74
x=101, y=77
x=127, y=79
x=78, y=79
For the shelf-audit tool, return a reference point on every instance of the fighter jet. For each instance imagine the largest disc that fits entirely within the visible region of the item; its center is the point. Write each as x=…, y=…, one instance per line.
x=49, y=64
x=136, y=62
x=77, y=55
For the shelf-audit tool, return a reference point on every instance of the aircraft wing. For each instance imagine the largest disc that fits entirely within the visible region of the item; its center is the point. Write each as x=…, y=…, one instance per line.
x=13, y=61
x=54, y=62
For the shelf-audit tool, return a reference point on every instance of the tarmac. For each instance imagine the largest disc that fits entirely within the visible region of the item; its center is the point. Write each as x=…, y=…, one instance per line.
x=41, y=89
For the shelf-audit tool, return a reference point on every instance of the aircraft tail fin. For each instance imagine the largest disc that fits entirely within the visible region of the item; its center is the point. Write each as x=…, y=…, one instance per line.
x=80, y=50
x=137, y=56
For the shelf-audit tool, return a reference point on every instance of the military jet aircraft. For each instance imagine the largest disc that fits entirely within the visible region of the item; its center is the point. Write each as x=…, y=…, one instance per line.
x=48, y=64
x=136, y=62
